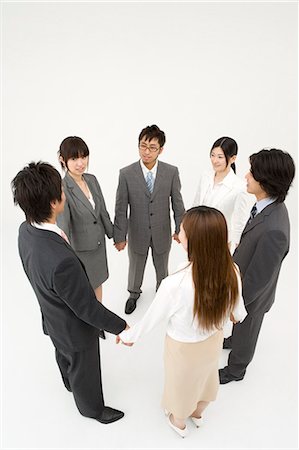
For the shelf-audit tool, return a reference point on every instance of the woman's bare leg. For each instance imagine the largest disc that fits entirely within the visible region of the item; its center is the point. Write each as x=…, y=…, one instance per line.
x=198, y=411
x=179, y=423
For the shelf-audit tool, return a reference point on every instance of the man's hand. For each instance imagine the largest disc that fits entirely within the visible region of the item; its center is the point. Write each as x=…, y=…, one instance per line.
x=128, y=344
x=120, y=245
x=118, y=339
x=175, y=237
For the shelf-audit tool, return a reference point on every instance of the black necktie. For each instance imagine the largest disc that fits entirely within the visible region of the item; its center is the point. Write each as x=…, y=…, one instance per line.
x=252, y=213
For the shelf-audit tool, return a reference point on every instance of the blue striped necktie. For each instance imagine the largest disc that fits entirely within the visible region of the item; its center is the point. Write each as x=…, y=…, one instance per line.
x=150, y=181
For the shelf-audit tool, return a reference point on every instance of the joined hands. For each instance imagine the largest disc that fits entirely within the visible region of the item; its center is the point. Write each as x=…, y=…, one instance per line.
x=118, y=339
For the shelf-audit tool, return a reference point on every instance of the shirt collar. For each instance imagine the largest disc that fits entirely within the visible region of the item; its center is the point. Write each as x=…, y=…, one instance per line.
x=145, y=170
x=47, y=226
x=227, y=180
x=261, y=204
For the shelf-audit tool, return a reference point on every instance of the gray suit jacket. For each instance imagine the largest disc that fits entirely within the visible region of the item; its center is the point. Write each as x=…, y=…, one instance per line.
x=263, y=246
x=149, y=213
x=85, y=227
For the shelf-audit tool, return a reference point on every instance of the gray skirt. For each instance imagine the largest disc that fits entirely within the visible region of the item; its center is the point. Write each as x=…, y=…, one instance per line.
x=191, y=374
x=95, y=262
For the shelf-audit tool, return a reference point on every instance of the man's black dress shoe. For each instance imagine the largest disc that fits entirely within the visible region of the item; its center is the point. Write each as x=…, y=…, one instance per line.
x=102, y=334
x=225, y=377
x=227, y=343
x=130, y=305
x=110, y=415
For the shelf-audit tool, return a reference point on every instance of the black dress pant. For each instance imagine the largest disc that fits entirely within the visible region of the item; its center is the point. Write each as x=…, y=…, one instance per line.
x=244, y=339
x=81, y=374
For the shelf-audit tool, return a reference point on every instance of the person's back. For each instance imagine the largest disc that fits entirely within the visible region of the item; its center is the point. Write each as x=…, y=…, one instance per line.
x=195, y=302
x=71, y=314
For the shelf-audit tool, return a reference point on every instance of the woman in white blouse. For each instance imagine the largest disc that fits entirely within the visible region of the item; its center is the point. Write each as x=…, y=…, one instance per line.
x=223, y=190
x=196, y=301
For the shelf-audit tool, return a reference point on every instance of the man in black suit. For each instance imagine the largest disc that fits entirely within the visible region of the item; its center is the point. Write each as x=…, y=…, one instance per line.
x=263, y=246
x=71, y=314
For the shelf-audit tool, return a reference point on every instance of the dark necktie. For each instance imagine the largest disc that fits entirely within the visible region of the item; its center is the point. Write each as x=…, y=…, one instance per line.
x=252, y=214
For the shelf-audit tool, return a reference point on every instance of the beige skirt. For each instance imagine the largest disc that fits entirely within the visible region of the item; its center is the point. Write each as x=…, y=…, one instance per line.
x=191, y=373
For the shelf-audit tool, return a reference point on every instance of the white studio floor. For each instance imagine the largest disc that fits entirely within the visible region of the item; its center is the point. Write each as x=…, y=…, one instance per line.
x=38, y=412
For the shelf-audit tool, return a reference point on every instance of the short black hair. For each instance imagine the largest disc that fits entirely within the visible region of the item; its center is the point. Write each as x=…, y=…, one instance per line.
x=72, y=147
x=153, y=132
x=34, y=188
x=229, y=147
x=274, y=170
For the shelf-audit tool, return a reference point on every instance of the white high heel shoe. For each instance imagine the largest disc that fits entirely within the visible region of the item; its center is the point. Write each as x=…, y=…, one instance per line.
x=198, y=422
x=183, y=433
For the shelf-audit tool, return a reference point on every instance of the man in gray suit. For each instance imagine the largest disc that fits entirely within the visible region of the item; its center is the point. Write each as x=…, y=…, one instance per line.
x=263, y=246
x=147, y=186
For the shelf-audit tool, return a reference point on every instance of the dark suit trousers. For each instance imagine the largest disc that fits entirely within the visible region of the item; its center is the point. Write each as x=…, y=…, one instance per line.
x=81, y=374
x=244, y=339
x=137, y=265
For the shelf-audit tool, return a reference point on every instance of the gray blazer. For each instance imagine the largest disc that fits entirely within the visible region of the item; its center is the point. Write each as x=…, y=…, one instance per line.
x=149, y=213
x=85, y=227
x=263, y=246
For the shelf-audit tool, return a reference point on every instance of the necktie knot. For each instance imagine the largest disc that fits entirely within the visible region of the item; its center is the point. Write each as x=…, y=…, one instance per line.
x=150, y=181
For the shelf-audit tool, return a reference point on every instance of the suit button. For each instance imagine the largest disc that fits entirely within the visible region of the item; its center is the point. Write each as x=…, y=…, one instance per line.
x=150, y=227
x=95, y=222
x=151, y=214
x=99, y=243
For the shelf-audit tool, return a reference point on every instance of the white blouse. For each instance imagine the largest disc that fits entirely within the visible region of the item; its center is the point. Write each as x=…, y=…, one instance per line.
x=231, y=198
x=174, y=302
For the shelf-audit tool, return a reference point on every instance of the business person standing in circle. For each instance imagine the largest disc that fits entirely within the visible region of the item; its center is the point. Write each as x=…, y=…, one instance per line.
x=85, y=219
x=222, y=189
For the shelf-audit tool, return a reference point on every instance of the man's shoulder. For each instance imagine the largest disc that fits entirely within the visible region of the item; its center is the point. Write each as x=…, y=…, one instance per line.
x=167, y=166
x=130, y=167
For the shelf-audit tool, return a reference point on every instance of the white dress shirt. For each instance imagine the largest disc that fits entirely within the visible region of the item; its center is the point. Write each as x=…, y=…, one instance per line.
x=174, y=302
x=230, y=196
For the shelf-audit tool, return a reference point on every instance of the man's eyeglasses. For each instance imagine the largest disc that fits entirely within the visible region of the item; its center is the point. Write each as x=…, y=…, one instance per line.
x=151, y=148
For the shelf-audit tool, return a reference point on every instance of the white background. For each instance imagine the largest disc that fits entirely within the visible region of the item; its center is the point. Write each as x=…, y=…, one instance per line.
x=104, y=71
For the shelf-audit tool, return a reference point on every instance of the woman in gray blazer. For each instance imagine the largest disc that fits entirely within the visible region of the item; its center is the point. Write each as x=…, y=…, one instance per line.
x=85, y=219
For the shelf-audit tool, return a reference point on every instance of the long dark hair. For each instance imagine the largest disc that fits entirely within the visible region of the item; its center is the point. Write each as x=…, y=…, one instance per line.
x=213, y=271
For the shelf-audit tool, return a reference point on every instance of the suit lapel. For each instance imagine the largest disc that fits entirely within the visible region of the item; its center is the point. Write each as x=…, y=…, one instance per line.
x=95, y=195
x=159, y=177
x=79, y=194
x=259, y=218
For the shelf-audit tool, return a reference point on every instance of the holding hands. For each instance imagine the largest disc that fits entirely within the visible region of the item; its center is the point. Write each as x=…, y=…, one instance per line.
x=120, y=245
x=175, y=237
x=118, y=339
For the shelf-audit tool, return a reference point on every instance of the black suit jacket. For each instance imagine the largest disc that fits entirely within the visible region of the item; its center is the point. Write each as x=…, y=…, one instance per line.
x=263, y=246
x=72, y=316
